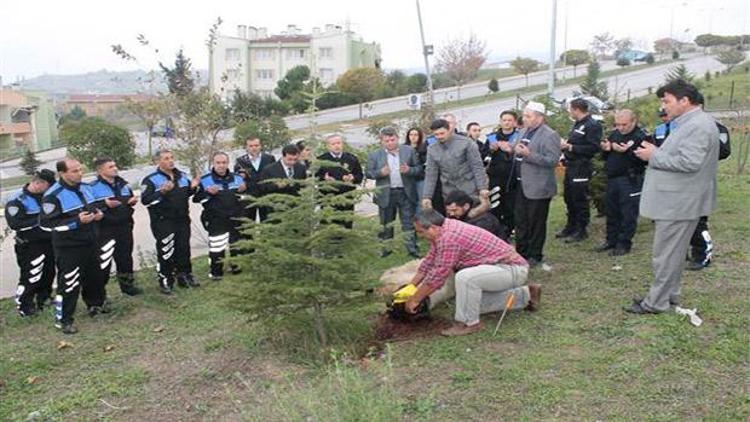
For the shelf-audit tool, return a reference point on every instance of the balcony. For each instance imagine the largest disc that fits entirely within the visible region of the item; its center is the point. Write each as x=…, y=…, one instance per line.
x=15, y=128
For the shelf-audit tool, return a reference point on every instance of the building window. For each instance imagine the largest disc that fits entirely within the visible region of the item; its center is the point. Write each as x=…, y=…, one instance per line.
x=233, y=74
x=326, y=74
x=264, y=54
x=233, y=54
x=325, y=53
x=264, y=74
x=295, y=54
x=264, y=93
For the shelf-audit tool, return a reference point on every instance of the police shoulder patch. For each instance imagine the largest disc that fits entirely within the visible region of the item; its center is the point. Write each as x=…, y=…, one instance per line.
x=12, y=211
x=48, y=207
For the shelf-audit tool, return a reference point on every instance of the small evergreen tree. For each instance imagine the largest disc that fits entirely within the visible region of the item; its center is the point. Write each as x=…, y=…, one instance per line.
x=679, y=72
x=309, y=261
x=179, y=78
x=592, y=85
x=493, y=86
x=29, y=162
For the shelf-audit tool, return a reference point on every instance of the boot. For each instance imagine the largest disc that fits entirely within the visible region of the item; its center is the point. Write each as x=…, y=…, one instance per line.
x=565, y=232
x=191, y=281
x=182, y=281
x=166, y=284
x=127, y=284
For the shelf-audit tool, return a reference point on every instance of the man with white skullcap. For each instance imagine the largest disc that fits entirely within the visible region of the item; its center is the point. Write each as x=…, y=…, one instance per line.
x=537, y=154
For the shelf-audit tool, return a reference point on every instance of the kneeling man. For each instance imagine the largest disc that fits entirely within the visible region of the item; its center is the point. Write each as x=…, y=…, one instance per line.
x=486, y=268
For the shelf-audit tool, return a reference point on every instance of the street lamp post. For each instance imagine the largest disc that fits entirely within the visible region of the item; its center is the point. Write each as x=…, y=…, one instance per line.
x=551, y=77
x=426, y=51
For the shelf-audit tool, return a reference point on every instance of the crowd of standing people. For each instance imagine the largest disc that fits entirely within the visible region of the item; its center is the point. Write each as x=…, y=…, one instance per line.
x=482, y=205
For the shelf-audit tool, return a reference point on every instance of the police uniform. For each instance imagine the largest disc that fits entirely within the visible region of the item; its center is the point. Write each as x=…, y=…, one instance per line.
x=34, y=253
x=170, y=225
x=219, y=217
x=701, y=244
x=77, y=255
x=660, y=133
x=116, y=229
x=624, y=182
x=501, y=172
x=584, y=138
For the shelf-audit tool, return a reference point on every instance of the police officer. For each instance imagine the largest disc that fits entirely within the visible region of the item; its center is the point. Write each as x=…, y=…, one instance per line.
x=501, y=169
x=34, y=253
x=218, y=192
x=115, y=198
x=70, y=213
x=580, y=147
x=165, y=193
x=624, y=182
x=662, y=130
x=701, y=244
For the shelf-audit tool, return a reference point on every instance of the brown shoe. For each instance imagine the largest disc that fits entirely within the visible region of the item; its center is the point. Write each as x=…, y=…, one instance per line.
x=461, y=329
x=535, y=291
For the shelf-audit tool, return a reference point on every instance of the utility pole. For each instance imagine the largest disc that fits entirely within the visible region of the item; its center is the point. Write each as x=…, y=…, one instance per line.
x=565, y=42
x=426, y=51
x=551, y=77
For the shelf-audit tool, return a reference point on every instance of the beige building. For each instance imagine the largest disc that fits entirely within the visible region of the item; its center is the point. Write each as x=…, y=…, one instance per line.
x=253, y=61
x=27, y=120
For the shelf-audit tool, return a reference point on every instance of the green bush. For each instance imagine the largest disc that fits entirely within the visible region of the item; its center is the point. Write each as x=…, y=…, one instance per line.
x=272, y=132
x=91, y=138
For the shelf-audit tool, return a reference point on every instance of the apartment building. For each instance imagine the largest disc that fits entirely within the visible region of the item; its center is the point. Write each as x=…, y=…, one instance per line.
x=254, y=61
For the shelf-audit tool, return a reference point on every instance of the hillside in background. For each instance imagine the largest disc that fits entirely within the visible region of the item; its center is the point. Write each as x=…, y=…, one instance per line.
x=99, y=82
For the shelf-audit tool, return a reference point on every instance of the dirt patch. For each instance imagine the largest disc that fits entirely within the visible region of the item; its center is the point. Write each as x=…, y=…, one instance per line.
x=387, y=329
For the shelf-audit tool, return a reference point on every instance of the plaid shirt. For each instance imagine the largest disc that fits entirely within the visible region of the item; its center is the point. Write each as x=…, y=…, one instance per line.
x=461, y=245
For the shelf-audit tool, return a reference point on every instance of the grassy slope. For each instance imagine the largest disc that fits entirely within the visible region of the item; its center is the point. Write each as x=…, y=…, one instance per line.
x=579, y=357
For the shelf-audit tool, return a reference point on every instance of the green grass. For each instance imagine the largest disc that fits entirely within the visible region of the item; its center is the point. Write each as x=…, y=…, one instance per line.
x=194, y=356
x=717, y=90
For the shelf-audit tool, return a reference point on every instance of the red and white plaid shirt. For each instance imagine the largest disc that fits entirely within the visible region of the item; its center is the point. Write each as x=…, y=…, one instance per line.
x=461, y=245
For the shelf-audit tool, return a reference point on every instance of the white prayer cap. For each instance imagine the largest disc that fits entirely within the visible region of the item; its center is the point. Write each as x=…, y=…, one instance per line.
x=535, y=106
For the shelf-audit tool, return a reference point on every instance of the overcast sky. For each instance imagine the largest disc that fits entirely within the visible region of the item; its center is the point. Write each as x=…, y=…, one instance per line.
x=74, y=36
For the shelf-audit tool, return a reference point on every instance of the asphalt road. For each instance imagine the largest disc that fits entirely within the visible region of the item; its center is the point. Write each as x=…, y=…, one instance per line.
x=486, y=114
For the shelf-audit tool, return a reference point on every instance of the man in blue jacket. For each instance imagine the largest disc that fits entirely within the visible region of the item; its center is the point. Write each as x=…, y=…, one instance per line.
x=165, y=193
x=34, y=253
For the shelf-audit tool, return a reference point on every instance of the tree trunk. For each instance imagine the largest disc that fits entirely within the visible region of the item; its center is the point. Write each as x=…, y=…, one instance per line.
x=320, y=327
x=150, y=151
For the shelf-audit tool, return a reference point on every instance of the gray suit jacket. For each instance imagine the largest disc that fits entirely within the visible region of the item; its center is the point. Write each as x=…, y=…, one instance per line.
x=458, y=164
x=538, y=169
x=376, y=160
x=680, y=181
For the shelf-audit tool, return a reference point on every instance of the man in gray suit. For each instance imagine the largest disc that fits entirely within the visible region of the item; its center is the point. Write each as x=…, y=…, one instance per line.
x=456, y=161
x=679, y=187
x=395, y=169
x=537, y=153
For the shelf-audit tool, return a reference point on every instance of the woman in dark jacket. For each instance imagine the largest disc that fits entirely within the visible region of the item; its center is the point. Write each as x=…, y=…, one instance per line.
x=415, y=139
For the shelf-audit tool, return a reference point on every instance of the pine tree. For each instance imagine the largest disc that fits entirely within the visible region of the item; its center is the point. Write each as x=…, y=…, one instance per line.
x=679, y=72
x=179, y=79
x=493, y=85
x=29, y=162
x=307, y=260
x=592, y=85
